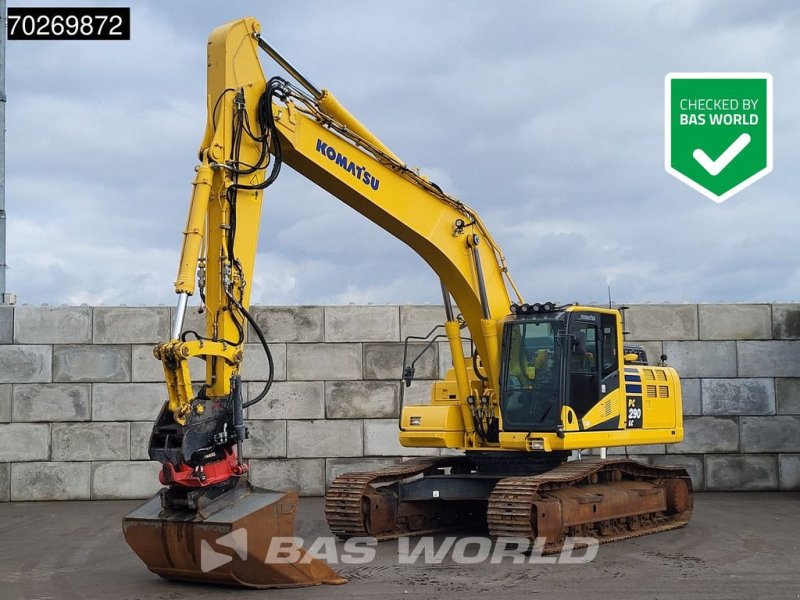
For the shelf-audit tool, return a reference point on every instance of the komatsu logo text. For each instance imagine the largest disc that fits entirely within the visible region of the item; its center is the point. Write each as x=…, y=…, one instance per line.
x=342, y=161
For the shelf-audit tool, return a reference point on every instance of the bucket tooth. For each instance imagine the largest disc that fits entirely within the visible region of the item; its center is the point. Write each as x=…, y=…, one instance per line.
x=225, y=542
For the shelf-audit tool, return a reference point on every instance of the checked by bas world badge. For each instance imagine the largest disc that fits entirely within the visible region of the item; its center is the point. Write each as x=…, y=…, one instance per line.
x=718, y=130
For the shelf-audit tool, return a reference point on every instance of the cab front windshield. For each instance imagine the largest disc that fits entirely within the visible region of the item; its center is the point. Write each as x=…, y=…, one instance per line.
x=530, y=387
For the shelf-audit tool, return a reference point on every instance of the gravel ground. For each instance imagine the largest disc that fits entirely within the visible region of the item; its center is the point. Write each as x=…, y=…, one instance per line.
x=738, y=545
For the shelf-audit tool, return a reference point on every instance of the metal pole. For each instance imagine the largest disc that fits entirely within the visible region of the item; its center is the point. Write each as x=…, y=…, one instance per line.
x=310, y=87
x=2, y=151
x=479, y=272
x=448, y=308
x=180, y=313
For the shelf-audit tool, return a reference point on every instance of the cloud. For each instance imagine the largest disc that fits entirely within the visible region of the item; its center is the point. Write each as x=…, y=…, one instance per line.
x=546, y=118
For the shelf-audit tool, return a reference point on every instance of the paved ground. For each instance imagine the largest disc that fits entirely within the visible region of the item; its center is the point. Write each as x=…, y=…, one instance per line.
x=737, y=546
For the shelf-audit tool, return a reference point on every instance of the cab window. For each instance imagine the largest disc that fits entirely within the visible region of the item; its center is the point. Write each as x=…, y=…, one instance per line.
x=584, y=376
x=610, y=359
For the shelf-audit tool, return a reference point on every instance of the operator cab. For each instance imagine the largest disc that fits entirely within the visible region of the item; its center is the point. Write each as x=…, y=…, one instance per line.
x=554, y=357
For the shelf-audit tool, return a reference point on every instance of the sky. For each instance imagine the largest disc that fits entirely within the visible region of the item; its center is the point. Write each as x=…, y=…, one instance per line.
x=545, y=117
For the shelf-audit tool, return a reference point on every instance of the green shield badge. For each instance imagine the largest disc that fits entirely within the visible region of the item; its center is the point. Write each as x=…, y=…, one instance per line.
x=718, y=130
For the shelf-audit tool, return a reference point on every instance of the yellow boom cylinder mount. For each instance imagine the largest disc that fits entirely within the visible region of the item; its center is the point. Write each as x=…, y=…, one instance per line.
x=195, y=230
x=328, y=103
x=453, y=330
x=489, y=330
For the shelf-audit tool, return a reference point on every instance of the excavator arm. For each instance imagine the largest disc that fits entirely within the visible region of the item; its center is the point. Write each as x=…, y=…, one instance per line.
x=221, y=233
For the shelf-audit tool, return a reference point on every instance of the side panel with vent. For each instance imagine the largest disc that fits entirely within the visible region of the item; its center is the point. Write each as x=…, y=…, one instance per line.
x=660, y=393
x=606, y=414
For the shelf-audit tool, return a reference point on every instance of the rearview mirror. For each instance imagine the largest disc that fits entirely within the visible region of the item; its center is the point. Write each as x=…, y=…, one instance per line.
x=408, y=375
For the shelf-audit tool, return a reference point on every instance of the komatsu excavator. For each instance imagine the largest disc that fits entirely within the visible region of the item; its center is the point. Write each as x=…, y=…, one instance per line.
x=538, y=381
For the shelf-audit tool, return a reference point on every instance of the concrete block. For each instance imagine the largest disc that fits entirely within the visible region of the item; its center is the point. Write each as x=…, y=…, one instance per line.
x=446, y=357
x=192, y=321
x=310, y=362
x=654, y=350
x=740, y=472
x=91, y=363
x=451, y=452
x=385, y=361
x=381, y=439
x=5, y=403
x=24, y=442
x=770, y=434
x=140, y=439
x=125, y=480
x=127, y=401
x=53, y=325
x=690, y=391
x=645, y=449
x=693, y=465
x=267, y=439
x=50, y=481
x=289, y=323
x=738, y=396
x=338, y=466
x=26, y=364
x=289, y=400
x=145, y=366
x=361, y=399
x=662, y=322
x=735, y=321
x=787, y=396
x=419, y=392
x=769, y=359
x=6, y=324
x=52, y=402
x=707, y=434
x=130, y=325
x=702, y=359
x=306, y=476
x=91, y=441
x=324, y=439
x=255, y=366
x=5, y=481
x=362, y=323
x=197, y=369
x=786, y=321
x=420, y=320
x=788, y=471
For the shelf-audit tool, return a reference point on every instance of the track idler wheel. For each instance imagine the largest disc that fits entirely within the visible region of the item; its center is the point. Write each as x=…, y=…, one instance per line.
x=679, y=496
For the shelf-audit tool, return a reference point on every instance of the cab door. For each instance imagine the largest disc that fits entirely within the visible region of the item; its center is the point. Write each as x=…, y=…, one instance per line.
x=584, y=367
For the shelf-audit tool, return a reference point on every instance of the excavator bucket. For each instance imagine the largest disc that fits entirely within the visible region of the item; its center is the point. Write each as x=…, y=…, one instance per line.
x=226, y=542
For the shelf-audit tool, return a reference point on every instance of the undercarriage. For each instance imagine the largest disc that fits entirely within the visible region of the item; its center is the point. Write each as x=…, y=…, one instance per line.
x=606, y=499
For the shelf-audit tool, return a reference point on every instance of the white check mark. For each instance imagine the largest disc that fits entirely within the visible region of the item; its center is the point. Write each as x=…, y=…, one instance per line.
x=714, y=167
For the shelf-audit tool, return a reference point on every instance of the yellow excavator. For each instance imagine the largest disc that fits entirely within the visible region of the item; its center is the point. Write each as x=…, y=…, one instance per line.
x=531, y=383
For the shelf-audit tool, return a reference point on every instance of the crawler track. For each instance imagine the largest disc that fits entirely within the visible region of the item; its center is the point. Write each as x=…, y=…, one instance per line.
x=633, y=500
x=354, y=508
x=611, y=499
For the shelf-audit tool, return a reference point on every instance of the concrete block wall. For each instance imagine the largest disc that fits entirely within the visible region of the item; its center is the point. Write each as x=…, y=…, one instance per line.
x=740, y=375
x=79, y=388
